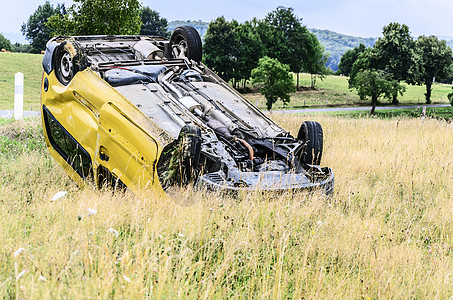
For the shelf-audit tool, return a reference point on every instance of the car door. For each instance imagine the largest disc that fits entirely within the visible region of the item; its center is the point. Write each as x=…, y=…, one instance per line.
x=126, y=154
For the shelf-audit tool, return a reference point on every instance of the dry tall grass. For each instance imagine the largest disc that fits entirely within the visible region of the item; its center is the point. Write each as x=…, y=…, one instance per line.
x=386, y=233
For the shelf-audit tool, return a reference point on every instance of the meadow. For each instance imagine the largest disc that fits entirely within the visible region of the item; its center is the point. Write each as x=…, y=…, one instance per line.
x=28, y=64
x=334, y=91
x=386, y=232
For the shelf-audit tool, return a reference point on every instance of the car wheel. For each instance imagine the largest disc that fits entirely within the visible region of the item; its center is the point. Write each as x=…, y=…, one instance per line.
x=68, y=60
x=186, y=42
x=179, y=160
x=310, y=133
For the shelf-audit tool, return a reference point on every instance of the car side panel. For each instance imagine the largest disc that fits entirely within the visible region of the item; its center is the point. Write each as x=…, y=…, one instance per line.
x=128, y=151
x=98, y=117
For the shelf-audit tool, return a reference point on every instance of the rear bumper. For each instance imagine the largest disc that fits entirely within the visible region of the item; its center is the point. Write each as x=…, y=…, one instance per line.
x=268, y=181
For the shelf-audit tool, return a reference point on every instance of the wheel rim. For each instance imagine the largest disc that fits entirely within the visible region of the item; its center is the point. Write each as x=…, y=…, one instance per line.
x=66, y=66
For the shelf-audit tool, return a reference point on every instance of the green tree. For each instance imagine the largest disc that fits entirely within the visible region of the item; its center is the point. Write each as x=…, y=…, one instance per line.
x=349, y=58
x=35, y=29
x=220, y=48
x=435, y=59
x=362, y=63
x=153, y=23
x=315, y=61
x=285, y=38
x=99, y=17
x=5, y=43
x=450, y=97
x=395, y=54
x=232, y=49
x=370, y=82
x=249, y=50
x=374, y=84
x=274, y=80
x=22, y=48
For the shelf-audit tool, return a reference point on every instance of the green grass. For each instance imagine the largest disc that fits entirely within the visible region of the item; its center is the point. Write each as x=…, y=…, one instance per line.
x=441, y=113
x=30, y=66
x=334, y=91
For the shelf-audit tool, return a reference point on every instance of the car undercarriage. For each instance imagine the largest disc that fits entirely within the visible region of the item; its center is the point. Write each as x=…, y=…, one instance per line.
x=205, y=131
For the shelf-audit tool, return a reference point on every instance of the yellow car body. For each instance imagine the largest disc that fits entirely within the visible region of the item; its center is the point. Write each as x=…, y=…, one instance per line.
x=100, y=122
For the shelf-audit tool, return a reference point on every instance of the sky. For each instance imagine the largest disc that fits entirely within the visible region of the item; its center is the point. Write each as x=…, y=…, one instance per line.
x=363, y=18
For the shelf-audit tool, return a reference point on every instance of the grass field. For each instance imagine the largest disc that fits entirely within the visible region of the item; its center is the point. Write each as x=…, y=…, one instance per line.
x=387, y=232
x=441, y=113
x=333, y=91
x=28, y=64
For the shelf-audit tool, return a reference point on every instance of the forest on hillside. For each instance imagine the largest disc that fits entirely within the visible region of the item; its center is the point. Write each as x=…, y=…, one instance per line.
x=336, y=44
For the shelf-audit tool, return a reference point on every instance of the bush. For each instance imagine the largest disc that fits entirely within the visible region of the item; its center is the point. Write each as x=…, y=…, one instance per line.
x=450, y=97
x=5, y=43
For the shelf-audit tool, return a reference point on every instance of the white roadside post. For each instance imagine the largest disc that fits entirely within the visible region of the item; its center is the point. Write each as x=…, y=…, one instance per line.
x=19, y=96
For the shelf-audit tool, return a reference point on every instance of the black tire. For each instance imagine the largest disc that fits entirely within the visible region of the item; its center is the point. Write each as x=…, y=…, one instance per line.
x=178, y=164
x=68, y=59
x=310, y=133
x=186, y=39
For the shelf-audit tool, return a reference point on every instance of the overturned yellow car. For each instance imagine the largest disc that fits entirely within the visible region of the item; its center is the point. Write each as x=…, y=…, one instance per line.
x=143, y=112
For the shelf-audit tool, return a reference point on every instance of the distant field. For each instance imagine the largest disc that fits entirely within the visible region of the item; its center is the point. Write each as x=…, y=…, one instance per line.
x=30, y=66
x=441, y=113
x=332, y=91
x=386, y=233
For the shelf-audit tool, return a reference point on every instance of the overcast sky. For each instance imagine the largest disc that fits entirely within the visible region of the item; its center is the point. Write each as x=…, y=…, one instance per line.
x=352, y=17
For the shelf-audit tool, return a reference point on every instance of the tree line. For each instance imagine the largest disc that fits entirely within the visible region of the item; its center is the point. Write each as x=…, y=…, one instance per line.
x=276, y=43
x=263, y=51
x=395, y=57
x=91, y=17
x=231, y=49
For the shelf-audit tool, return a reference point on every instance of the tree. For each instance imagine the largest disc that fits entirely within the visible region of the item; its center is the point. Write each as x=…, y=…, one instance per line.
x=35, y=29
x=349, y=58
x=450, y=97
x=5, y=43
x=152, y=23
x=249, y=50
x=396, y=54
x=315, y=61
x=370, y=82
x=435, y=59
x=232, y=49
x=362, y=63
x=373, y=84
x=99, y=17
x=22, y=48
x=220, y=48
x=285, y=38
x=274, y=80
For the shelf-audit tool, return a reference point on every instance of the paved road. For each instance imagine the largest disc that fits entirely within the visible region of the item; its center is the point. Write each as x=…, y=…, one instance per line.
x=10, y=113
x=340, y=109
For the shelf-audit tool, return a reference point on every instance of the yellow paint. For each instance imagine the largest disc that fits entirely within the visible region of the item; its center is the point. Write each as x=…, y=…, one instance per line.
x=103, y=121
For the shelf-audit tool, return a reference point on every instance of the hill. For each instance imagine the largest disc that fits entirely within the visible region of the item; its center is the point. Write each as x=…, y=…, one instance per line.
x=337, y=44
